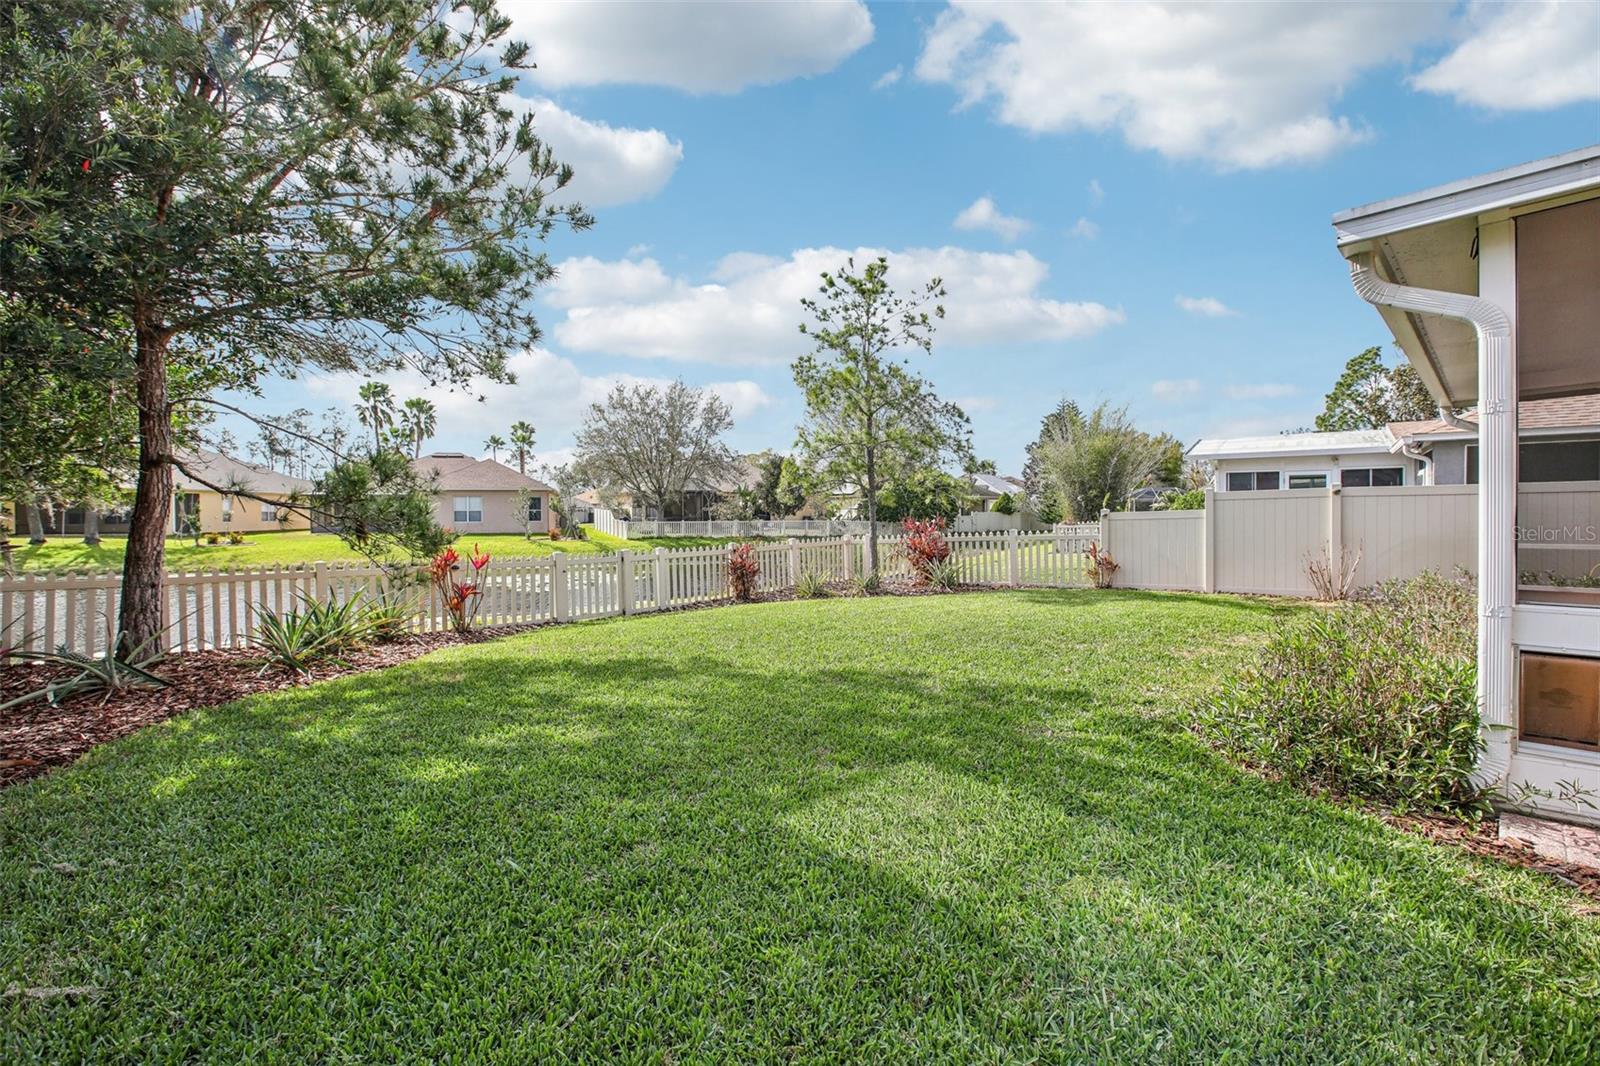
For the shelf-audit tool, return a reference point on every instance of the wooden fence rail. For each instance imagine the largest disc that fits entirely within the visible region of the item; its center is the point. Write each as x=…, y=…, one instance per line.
x=221, y=608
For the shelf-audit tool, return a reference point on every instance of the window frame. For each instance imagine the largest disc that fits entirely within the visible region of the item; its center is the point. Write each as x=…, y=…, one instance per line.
x=462, y=505
x=1255, y=477
x=536, y=509
x=1307, y=475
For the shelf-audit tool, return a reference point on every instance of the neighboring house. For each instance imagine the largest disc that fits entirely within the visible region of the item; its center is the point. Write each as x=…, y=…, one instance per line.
x=1362, y=457
x=1559, y=440
x=218, y=512
x=480, y=495
x=1145, y=499
x=584, y=505
x=1491, y=287
x=699, y=497
x=988, y=488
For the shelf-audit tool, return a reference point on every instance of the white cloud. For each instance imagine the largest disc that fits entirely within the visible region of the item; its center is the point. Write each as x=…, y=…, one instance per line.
x=637, y=251
x=698, y=47
x=977, y=404
x=1175, y=388
x=1240, y=85
x=1097, y=192
x=1262, y=391
x=750, y=314
x=1522, y=56
x=1084, y=228
x=611, y=165
x=889, y=77
x=1206, y=306
x=550, y=391
x=983, y=214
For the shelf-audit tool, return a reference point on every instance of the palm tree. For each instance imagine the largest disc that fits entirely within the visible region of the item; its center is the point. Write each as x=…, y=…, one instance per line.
x=420, y=419
x=522, y=444
x=376, y=410
x=494, y=444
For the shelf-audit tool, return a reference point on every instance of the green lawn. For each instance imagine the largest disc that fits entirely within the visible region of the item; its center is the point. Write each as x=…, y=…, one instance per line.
x=963, y=828
x=70, y=553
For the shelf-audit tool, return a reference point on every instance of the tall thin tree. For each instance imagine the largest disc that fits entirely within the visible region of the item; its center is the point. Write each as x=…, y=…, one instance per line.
x=420, y=419
x=522, y=438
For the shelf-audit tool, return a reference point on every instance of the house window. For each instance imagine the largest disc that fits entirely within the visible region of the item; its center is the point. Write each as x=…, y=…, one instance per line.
x=269, y=512
x=1246, y=480
x=468, y=509
x=1376, y=477
x=1308, y=481
x=536, y=509
x=227, y=508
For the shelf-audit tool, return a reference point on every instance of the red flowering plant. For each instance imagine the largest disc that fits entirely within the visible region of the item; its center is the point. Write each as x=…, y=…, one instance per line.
x=924, y=546
x=460, y=597
x=743, y=569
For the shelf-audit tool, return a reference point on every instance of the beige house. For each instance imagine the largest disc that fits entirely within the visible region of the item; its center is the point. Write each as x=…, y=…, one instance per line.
x=225, y=512
x=481, y=495
x=218, y=511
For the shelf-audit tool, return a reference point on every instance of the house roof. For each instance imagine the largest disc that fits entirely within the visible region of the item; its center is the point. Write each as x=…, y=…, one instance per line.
x=1564, y=414
x=459, y=472
x=1510, y=187
x=1284, y=445
x=995, y=485
x=1430, y=240
x=225, y=471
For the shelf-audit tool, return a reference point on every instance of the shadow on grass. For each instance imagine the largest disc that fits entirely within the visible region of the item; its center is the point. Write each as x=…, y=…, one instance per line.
x=596, y=842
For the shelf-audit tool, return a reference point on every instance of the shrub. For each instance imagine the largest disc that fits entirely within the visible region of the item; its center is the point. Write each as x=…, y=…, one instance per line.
x=1101, y=566
x=316, y=630
x=213, y=538
x=1192, y=500
x=811, y=586
x=924, y=545
x=1005, y=504
x=460, y=598
x=103, y=673
x=870, y=585
x=944, y=574
x=235, y=537
x=1374, y=699
x=743, y=570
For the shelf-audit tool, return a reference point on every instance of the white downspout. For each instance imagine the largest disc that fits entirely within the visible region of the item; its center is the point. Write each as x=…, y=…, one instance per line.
x=1497, y=498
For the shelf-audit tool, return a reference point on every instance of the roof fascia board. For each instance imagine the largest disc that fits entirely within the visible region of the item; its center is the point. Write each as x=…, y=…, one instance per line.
x=1542, y=179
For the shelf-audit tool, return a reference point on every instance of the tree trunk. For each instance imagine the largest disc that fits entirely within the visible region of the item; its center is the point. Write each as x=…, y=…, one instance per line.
x=91, y=525
x=872, y=510
x=35, y=523
x=145, y=562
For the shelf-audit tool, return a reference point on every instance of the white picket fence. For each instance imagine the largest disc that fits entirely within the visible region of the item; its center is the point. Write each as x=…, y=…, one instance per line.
x=220, y=608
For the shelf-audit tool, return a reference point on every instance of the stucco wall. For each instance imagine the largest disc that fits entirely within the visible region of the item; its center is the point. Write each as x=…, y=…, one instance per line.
x=246, y=517
x=499, y=513
x=1450, y=463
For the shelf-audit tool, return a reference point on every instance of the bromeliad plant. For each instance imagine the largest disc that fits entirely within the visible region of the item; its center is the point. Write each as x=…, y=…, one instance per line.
x=460, y=598
x=924, y=546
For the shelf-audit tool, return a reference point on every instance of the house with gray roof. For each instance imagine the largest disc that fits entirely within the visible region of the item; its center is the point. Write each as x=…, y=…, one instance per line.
x=483, y=496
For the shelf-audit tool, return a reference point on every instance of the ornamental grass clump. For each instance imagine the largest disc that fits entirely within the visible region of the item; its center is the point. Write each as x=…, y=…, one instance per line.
x=743, y=570
x=1374, y=699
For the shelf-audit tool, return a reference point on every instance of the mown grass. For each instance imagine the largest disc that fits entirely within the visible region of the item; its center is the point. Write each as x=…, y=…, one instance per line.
x=70, y=553
x=963, y=828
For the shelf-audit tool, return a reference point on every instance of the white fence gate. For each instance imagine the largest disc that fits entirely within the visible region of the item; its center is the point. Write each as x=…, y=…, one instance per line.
x=220, y=608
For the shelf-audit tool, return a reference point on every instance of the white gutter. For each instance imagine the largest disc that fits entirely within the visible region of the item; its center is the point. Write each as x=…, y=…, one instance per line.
x=1497, y=498
x=1450, y=418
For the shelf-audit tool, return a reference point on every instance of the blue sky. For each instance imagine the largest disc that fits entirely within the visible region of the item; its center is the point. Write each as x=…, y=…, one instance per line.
x=1146, y=193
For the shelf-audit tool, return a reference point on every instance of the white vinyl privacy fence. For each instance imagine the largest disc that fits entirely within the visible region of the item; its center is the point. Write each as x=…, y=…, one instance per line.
x=613, y=524
x=1263, y=542
x=221, y=608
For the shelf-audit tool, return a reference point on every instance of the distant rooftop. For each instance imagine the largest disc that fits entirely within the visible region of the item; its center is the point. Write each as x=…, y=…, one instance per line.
x=1347, y=442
